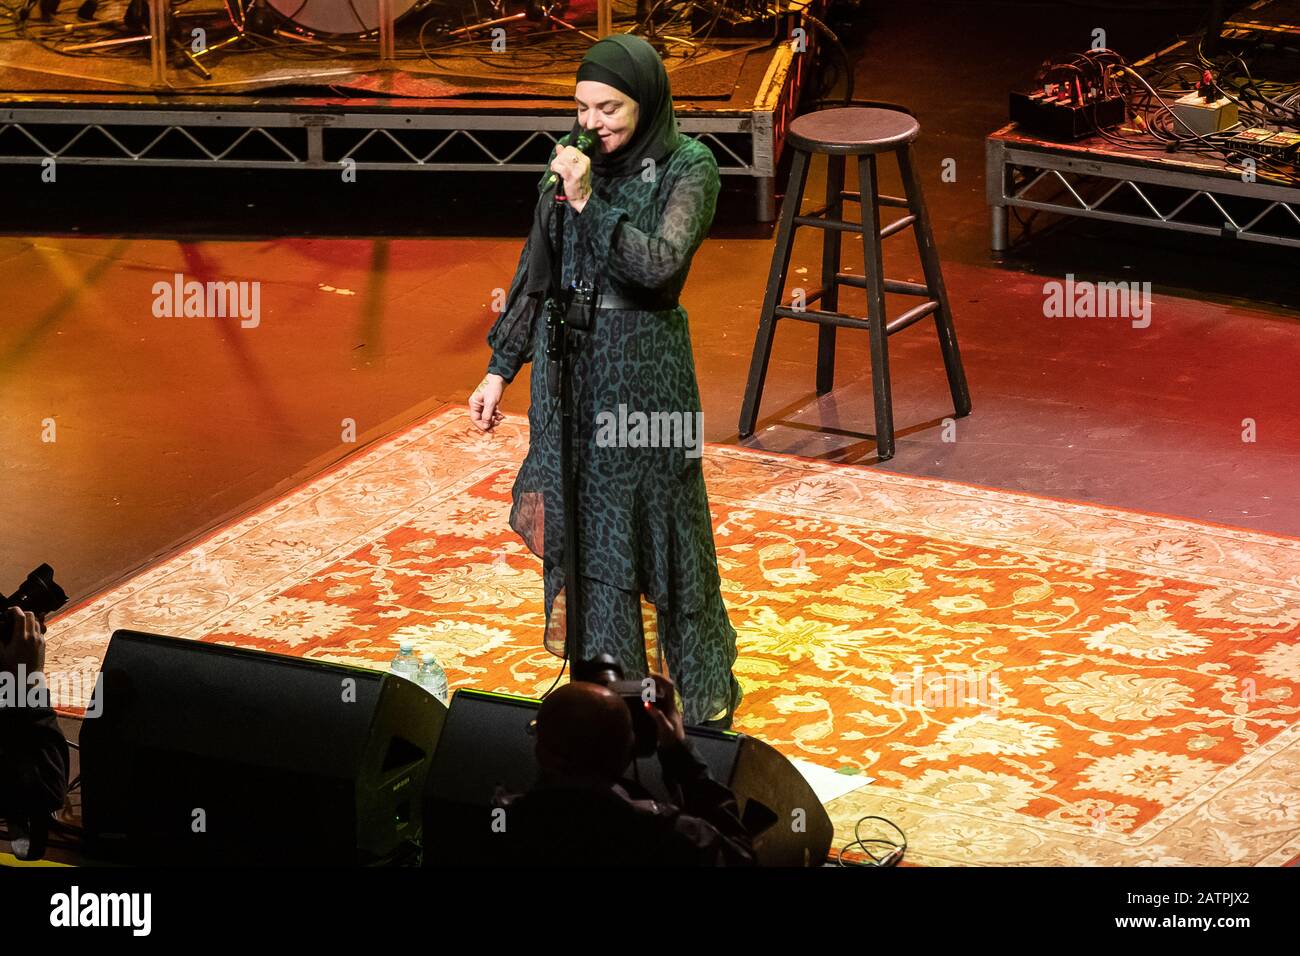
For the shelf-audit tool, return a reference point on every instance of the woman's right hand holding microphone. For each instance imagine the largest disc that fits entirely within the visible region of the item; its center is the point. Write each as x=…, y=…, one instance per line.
x=483, y=404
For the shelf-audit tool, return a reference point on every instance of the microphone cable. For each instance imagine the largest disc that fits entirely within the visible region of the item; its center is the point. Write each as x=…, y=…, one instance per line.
x=892, y=857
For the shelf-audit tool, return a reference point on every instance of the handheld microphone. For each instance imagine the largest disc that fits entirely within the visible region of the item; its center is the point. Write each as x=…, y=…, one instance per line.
x=586, y=139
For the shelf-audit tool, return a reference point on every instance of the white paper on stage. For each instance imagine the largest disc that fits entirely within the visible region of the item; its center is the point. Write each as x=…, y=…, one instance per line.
x=826, y=783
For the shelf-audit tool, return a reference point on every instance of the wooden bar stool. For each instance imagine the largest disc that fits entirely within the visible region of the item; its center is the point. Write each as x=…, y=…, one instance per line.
x=860, y=132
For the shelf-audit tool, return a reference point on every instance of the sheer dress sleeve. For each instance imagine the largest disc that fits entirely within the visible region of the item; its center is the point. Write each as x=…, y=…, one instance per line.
x=511, y=336
x=653, y=261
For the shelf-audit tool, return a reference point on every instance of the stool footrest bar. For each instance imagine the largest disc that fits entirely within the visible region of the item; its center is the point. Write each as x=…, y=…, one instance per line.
x=882, y=199
x=820, y=223
x=809, y=298
x=898, y=286
x=822, y=318
x=910, y=317
x=898, y=225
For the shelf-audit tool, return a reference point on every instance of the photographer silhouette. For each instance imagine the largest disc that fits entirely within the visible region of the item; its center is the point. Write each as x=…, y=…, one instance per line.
x=33, y=751
x=583, y=812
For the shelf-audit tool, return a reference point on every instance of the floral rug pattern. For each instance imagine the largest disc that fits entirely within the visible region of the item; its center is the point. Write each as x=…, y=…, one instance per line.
x=1029, y=681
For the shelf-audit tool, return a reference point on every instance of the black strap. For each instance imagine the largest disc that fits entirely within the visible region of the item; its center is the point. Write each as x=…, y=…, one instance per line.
x=633, y=303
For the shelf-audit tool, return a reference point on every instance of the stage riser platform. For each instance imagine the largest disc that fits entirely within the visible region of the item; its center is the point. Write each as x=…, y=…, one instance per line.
x=745, y=131
x=1080, y=187
x=1144, y=182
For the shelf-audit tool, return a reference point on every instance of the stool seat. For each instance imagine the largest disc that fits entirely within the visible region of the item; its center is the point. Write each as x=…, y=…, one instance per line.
x=852, y=131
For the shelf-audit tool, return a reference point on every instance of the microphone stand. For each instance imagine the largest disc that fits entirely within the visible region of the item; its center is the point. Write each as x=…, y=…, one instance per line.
x=563, y=314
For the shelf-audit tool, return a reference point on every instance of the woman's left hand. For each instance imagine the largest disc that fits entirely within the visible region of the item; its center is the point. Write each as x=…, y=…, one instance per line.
x=574, y=169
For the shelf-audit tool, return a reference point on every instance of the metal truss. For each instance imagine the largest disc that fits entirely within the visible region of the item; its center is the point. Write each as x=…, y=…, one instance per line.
x=1188, y=198
x=268, y=140
x=258, y=139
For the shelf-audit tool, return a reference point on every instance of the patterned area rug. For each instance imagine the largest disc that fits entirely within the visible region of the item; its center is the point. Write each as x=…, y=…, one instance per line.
x=1030, y=681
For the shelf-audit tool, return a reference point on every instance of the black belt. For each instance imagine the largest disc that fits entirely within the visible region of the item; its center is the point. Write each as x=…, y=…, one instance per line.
x=633, y=304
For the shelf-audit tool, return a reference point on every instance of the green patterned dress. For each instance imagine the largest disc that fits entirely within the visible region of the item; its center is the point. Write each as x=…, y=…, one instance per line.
x=645, y=524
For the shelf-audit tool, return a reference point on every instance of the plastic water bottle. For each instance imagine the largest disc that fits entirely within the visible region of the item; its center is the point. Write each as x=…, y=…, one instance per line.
x=432, y=677
x=404, y=663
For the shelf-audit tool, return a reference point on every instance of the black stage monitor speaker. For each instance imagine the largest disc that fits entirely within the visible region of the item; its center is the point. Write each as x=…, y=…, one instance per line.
x=207, y=754
x=485, y=744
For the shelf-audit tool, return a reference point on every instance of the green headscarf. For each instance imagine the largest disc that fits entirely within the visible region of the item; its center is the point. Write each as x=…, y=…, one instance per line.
x=633, y=66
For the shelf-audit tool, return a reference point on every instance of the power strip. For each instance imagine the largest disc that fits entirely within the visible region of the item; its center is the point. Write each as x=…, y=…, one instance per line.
x=1057, y=113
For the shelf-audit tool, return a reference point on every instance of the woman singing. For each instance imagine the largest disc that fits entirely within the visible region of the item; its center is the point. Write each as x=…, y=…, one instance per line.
x=637, y=211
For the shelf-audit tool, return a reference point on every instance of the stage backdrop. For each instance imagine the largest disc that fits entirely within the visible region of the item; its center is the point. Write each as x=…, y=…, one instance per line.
x=1029, y=681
